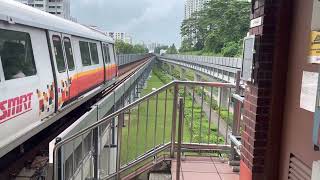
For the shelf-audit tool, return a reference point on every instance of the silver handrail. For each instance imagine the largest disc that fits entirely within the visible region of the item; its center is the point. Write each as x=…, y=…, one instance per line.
x=146, y=98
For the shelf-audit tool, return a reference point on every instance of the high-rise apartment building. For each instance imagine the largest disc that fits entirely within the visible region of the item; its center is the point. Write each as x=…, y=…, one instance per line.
x=59, y=8
x=192, y=6
x=122, y=36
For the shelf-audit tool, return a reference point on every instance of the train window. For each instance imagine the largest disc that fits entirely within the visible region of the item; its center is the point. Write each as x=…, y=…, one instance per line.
x=16, y=54
x=69, y=53
x=106, y=53
x=85, y=53
x=94, y=53
x=58, y=53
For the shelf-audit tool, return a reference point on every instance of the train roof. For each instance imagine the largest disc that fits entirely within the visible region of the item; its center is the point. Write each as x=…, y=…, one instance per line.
x=23, y=14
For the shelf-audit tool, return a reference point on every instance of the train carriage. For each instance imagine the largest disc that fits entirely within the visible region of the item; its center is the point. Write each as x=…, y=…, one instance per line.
x=48, y=66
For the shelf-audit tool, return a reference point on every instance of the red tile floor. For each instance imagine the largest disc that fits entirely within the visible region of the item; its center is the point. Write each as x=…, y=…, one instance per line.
x=204, y=168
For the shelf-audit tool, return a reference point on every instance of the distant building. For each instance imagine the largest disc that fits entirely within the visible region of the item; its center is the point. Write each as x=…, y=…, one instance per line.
x=153, y=46
x=59, y=8
x=192, y=6
x=122, y=36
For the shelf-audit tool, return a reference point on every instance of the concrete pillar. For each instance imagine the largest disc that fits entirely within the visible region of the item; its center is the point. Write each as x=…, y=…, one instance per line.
x=171, y=69
x=223, y=96
x=197, y=77
x=183, y=72
x=264, y=102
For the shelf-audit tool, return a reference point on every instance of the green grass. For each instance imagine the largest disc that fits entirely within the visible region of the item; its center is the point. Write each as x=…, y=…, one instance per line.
x=151, y=122
x=154, y=121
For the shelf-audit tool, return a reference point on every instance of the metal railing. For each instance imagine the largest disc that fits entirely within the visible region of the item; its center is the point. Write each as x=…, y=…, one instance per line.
x=148, y=129
x=221, y=61
x=124, y=59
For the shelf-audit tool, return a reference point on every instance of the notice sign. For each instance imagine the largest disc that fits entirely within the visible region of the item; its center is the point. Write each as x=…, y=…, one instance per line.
x=314, y=54
x=309, y=90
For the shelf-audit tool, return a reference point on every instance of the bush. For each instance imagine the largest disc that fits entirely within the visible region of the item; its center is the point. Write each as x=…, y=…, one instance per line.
x=231, y=49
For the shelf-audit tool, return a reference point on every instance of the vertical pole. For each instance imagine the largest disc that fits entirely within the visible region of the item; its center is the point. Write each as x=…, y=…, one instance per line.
x=155, y=123
x=119, y=137
x=174, y=119
x=237, y=109
x=180, y=125
x=236, y=118
x=95, y=134
x=165, y=116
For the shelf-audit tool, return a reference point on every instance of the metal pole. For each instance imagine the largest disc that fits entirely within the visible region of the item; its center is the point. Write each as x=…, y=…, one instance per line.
x=181, y=115
x=174, y=119
x=236, y=117
x=237, y=109
x=119, y=137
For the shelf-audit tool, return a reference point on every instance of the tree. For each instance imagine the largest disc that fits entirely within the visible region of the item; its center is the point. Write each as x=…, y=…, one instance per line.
x=172, y=50
x=126, y=48
x=221, y=24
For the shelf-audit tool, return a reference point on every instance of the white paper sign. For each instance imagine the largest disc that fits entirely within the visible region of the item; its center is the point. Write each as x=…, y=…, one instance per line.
x=309, y=88
x=256, y=22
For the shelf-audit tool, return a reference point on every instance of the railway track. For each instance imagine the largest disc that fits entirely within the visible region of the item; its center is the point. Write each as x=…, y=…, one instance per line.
x=25, y=156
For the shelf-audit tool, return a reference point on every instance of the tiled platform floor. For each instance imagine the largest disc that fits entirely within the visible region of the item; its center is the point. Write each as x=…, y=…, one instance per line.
x=204, y=168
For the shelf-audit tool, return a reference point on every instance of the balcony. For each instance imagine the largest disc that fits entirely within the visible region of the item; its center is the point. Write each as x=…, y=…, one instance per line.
x=179, y=125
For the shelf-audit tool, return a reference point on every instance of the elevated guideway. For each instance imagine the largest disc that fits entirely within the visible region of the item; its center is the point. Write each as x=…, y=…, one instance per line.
x=223, y=69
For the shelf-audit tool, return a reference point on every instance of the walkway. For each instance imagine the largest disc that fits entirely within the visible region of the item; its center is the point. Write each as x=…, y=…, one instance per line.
x=204, y=168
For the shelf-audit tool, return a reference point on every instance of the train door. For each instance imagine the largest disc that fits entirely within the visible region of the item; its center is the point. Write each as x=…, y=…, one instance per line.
x=61, y=71
x=72, y=68
x=107, y=61
x=113, y=61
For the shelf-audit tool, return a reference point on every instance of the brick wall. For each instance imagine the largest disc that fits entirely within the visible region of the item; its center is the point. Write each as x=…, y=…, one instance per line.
x=262, y=106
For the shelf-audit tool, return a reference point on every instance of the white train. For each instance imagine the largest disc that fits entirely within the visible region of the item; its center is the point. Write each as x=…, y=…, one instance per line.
x=48, y=66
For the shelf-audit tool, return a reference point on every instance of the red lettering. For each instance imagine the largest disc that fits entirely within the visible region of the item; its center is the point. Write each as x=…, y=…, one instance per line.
x=29, y=96
x=15, y=106
x=12, y=103
x=3, y=110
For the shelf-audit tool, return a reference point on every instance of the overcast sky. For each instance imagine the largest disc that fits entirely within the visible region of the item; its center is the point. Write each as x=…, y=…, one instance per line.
x=146, y=20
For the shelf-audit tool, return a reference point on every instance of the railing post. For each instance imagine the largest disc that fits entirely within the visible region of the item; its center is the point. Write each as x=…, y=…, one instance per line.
x=180, y=128
x=237, y=109
x=174, y=119
x=119, y=137
x=236, y=118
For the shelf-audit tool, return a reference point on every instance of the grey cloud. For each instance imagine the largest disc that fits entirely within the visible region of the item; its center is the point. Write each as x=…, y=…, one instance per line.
x=147, y=20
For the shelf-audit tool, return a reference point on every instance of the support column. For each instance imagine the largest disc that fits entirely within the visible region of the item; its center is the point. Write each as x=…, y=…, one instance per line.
x=265, y=95
x=197, y=77
x=223, y=96
x=171, y=68
x=183, y=72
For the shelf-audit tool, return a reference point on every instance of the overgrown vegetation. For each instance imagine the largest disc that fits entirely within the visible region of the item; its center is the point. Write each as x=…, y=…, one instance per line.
x=216, y=30
x=141, y=137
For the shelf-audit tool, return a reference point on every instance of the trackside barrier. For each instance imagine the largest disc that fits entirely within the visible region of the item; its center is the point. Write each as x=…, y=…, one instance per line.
x=79, y=158
x=179, y=117
x=223, y=68
x=221, y=61
x=124, y=59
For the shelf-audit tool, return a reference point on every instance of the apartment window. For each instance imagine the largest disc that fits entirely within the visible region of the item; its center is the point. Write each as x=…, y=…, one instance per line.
x=16, y=54
x=94, y=53
x=38, y=5
x=85, y=53
x=69, y=53
x=58, y=53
